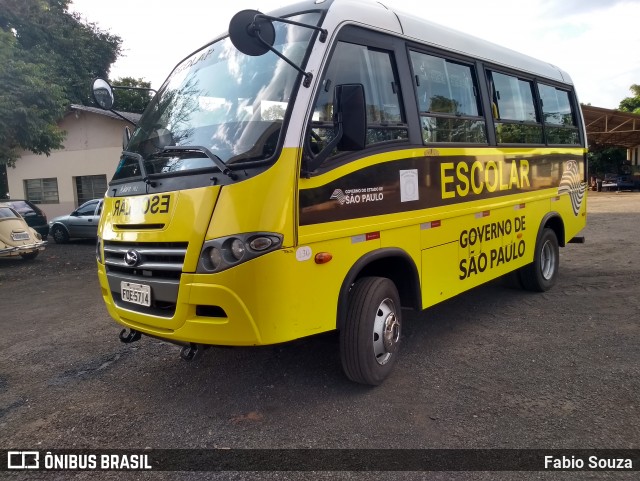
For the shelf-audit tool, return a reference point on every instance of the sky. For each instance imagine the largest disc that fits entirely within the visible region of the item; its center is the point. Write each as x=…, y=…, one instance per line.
x=595, y=41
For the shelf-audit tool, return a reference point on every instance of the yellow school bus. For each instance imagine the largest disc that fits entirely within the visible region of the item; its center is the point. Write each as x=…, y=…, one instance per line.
x=322, y=167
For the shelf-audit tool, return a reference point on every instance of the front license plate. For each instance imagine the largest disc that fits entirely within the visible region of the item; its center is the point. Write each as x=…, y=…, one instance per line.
x=135, y=293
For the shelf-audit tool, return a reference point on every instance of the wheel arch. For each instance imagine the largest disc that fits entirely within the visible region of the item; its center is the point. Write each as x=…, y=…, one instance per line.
x=60, y=225
x=553, y=221
x=392, y=263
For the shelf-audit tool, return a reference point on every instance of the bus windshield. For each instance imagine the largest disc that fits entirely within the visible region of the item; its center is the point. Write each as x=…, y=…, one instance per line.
x=220, y=99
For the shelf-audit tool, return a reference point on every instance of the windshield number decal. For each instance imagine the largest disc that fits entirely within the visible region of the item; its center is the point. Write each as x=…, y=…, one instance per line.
x=155, y=204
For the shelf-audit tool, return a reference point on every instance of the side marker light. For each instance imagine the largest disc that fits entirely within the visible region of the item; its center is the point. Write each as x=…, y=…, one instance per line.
x=323, y=257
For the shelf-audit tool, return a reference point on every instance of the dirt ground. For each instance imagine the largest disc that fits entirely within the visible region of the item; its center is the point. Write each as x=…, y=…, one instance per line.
x=492, y=368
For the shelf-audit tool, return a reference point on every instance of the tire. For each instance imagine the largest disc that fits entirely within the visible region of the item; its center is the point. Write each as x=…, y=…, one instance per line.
x=29, y=256
x=542, y=273
x=368, y=355
x=59, y=235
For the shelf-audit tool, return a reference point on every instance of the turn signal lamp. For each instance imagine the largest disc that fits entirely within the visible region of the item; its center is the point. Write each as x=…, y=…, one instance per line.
x=261, y=243
x=323, y=257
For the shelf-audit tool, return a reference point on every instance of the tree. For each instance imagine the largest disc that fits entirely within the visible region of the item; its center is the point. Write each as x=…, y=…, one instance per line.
x=131, y=100
x=608, y=160
x=48, y=57
x=632, y=104
x=30, y=105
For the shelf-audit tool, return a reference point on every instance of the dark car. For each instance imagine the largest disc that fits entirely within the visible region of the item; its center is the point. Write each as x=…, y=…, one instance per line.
x=81, y=223
x=36, y=219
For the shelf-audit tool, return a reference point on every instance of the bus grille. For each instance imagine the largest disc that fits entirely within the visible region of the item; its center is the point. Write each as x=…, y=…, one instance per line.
x=157, y=264
x=155, y=259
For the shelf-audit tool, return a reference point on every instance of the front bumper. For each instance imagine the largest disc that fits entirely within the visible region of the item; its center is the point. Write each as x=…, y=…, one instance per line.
x=259, y=302
x=204, y=313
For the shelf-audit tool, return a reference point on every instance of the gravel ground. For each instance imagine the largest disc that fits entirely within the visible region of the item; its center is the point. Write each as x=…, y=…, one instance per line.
x=492, y=368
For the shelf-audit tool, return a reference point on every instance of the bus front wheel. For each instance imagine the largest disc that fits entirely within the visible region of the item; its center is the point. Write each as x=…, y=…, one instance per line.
x=370, y=338
x=541, y=275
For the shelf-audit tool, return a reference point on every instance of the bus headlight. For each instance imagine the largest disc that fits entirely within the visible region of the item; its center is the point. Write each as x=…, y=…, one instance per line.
x=225, y=252
x=211, y=258
x=238, y=249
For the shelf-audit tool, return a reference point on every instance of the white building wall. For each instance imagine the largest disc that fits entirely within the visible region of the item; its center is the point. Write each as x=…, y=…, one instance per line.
x=92, y=147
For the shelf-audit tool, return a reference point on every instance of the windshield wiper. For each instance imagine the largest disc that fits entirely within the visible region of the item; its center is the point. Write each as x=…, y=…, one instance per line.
x=203, y=150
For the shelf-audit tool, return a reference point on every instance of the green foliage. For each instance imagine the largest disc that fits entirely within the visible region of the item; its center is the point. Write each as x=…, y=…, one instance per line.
x=632, y=104
x=131, y=100
x=608, y=160
x=48, y=57
x=511, y=133
x=29, y=105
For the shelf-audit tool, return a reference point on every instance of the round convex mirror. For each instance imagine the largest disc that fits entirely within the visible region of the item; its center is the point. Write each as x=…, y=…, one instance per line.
x=250, y=35
x=103, y=94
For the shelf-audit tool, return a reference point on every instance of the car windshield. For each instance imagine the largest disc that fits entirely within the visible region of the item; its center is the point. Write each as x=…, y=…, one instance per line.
x=220, y=99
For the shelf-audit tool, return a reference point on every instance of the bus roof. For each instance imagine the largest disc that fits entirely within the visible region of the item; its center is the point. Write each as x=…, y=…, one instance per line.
x=450, y=39
x=376, y=15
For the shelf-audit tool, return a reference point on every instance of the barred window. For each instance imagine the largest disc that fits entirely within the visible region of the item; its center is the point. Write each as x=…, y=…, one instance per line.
x=42, y=191
x=90, y=187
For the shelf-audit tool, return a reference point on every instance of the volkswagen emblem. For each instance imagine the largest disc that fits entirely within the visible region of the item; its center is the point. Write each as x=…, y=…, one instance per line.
x=131, y=258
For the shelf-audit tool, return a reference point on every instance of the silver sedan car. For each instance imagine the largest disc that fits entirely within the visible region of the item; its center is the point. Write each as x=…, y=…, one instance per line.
x=81, y=223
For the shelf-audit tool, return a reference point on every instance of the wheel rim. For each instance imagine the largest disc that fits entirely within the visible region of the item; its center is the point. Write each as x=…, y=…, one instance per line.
x=57, y=234
x=386, y=331
x=547, y=260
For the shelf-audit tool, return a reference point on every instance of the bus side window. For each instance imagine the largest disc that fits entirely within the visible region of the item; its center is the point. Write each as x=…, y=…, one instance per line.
x=558, y=115
x=375, y=71
x=447, y=100
x=515, y=116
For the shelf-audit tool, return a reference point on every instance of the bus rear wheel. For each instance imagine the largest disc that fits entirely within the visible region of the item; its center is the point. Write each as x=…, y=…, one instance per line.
x=541, y=275
x=370, y=338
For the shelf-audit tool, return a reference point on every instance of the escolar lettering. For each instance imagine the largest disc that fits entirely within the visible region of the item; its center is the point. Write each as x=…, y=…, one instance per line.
x=155, y=204
x=462, y=179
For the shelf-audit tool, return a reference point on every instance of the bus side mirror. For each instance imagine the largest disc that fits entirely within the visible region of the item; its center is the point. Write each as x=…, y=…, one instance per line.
x=351, y=107
x=103, y=94
x=252, y=33
x=350, y=124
